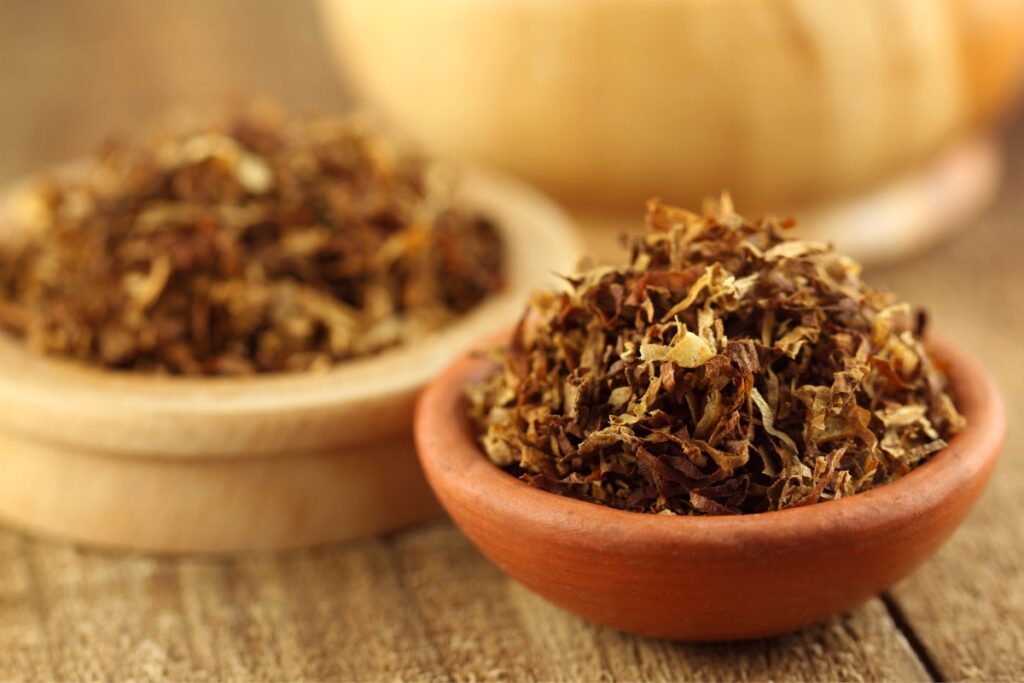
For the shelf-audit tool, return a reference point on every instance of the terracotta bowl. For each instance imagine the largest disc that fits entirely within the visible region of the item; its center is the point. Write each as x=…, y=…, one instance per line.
x=708, y=578
x=171, y=464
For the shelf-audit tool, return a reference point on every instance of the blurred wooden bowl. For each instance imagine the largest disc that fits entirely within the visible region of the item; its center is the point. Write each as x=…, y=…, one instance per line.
x=708, y=578
x=172, y=464
x=605, y=103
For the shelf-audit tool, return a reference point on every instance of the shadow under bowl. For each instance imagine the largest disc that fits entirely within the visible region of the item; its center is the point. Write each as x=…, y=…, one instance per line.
x=715, y=577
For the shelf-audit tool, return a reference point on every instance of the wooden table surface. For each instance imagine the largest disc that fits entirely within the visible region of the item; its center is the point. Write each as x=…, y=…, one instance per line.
x=424, y=604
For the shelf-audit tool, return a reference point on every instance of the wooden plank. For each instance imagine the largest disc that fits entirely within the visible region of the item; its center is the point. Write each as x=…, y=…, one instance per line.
x=488, y=627
x=967, y=604
x=419, y=606
x=25, y=647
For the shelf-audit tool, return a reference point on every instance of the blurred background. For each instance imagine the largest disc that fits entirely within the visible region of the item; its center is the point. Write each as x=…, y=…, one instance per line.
x=74, y=73
x=874, y=121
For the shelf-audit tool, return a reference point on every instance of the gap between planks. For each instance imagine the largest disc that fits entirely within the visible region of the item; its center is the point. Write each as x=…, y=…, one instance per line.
x=903, y=625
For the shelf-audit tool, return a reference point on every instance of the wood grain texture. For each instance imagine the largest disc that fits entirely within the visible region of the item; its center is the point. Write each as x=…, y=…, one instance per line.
x=424, y=604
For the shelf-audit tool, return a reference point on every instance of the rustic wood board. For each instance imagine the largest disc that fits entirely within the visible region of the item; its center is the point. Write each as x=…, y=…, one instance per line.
x=423, y=604
x=420, y=605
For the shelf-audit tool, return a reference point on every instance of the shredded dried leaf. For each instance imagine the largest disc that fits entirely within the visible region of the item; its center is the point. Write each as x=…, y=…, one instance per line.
x=728, y=369
x=253, y=243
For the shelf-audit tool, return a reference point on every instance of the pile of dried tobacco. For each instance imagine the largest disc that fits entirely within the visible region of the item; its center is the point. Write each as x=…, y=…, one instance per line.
x=728, y=369
x=256, y=243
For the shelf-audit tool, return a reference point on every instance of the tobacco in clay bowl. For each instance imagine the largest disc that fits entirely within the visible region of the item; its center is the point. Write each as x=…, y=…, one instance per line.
x=211, y=337
x=732, y=436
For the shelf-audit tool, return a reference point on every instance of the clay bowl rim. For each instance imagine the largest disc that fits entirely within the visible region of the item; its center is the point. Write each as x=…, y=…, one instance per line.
x=457, y=468
x=36, y=391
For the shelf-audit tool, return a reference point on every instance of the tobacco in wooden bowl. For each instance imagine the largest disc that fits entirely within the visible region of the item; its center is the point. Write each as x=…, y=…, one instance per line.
x=286, y=425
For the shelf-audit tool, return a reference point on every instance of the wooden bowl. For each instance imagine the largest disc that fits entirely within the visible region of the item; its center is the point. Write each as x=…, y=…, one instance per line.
x=223, y=464
x=604, y=103
x=708, y=578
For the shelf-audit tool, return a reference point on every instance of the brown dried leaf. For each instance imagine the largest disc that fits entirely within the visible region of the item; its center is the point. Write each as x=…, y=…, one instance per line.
x=726, y=369
x=255, y=243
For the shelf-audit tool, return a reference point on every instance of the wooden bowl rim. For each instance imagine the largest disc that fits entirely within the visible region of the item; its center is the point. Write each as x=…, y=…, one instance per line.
x=462, y=475
x=37, y=392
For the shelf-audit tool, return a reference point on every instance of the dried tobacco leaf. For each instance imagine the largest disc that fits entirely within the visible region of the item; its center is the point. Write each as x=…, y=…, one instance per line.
x=727, y=369
x=252, y=243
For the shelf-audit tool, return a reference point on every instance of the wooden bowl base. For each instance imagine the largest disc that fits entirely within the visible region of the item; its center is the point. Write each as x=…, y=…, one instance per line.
x=177, y=505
